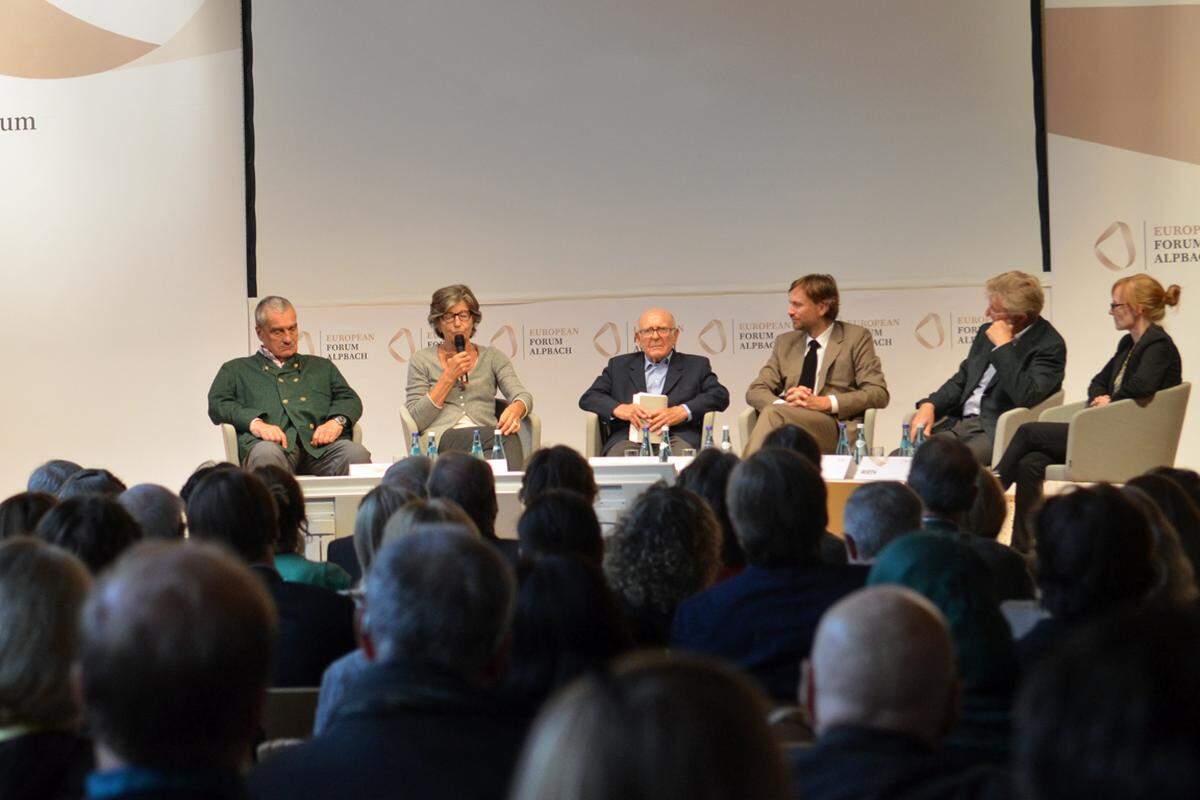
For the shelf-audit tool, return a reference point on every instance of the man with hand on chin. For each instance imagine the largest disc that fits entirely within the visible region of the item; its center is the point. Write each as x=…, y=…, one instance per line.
x=294, y=411
x=691, y=387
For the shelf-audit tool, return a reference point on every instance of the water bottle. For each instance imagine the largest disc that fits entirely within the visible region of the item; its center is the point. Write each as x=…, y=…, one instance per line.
x=708, y=438
x=664, y=448
x=431, y=449
x=920, y=440
x=843, y=445
x=498, y=447
x=726, y=444
x=860, y=446
x=415, y=448
x=906, y=447
x=646, y=450
x=476, y=445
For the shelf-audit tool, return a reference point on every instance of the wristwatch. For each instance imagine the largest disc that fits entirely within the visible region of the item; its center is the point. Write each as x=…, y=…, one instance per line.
x=340, y=420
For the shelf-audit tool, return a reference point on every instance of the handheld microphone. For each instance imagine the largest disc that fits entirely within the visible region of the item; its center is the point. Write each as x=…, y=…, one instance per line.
x=460, y=344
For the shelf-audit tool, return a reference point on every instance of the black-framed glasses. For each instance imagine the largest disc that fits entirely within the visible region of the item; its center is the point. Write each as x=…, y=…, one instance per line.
x=663, y=332
x=461, y=316
x=1115, y=306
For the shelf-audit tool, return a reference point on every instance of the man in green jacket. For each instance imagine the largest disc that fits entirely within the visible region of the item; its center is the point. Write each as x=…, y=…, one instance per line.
x=291, y=410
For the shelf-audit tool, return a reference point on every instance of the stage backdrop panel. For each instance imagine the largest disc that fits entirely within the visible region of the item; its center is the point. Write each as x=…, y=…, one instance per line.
x=122, y=234
x=539, y=150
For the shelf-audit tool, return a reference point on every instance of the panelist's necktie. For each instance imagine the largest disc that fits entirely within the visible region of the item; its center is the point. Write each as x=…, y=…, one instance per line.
x=808, y=373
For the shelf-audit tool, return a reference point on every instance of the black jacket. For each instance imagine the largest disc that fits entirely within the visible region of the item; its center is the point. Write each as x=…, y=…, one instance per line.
x=316, y=627
x=1153, y=365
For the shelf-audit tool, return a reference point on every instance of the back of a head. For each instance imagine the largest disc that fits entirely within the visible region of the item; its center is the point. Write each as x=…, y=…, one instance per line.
x=439, y=598
x=289, y=507
x=1186, y=479
x=374, y=511
x=234, y=508
x=1176, y=582
x=796, y=439
x=989, y=510
x=876, y=513
x=409, y=474
x=49, y=477
x=943, y=475
x=1115, y=712
x=559, y=522
x=202, y=472
x=42, y=589
x=175, y=657
x=1095, y=552
x=469, y=482
x=660, y=728
x=777, y=502
x=708, y=476
x=558, y=467
x=156, y=509
x=95, y=528
x=416, y=513
x=19, y=514
x=1178, y=507
x=91, y=481
x=883, y=659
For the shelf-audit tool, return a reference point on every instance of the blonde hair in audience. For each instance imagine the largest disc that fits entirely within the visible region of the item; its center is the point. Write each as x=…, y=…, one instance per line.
x=1019, y=292
x=1148, y=295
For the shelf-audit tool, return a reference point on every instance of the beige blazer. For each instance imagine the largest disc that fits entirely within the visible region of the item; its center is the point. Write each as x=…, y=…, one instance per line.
x=850, y=371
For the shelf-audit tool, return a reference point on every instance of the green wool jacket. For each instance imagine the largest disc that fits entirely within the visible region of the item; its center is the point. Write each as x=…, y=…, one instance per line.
x=298, y=397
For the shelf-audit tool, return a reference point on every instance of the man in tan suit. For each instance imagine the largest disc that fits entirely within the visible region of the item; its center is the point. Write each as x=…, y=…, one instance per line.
x=821, y=372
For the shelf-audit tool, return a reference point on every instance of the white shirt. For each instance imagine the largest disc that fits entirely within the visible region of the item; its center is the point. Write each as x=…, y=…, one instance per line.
x=975, y=401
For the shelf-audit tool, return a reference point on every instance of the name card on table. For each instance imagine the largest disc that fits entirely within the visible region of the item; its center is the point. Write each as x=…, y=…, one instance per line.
x=888, y=468
x=836, y=468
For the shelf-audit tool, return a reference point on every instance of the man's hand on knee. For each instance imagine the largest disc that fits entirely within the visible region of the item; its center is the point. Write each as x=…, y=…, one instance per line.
x=269, y=433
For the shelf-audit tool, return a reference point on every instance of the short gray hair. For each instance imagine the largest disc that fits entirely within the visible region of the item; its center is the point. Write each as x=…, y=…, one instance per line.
x=877, y=513
x=271, y=302
x=157, y=509
x=440, y=597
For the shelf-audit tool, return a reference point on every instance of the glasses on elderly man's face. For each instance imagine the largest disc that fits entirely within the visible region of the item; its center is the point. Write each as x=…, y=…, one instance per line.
x=656, y=332
x=461, y=316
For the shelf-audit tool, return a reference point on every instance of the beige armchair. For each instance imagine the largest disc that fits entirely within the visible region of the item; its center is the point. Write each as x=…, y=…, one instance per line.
x=1008, y=422
x=1120, y=440
x=229, y=438
x=749, y=417
x=595, y=434
x=530, y=433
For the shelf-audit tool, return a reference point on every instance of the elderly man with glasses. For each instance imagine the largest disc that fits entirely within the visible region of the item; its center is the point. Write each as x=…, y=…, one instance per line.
x=690, y=385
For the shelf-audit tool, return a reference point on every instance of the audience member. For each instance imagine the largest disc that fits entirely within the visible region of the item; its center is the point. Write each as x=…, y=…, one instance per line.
x=954, y=578
x=415, y=513
x=91, y=481
x=763, y=620
x=798, y=440
x=558, y=522
x=708, y=476
x=49, y=477
x=877, y=513
x=883, y=690
x=944, y=473
x=1177, y=506
x=93, y=527
x=1176, y=582
x=424, y=720
x=1115, y=713
x=664, y=549
x=660, y=728
x=293, y=525
x=202, y=472
x=1186, y=479
x=354, y=553
x=558, y=467
x=156, y=509
x=989, y=510
x=19, y=514
x=471, y=483
x=175, y=657
x=409, y=474
x=234, y=508
x=42, y=755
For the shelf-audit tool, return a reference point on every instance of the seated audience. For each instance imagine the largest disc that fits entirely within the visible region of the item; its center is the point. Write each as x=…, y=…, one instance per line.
x=797, y=439
x=944, y=475
x=416, y=513
x=93, y=527
x=708, y=476
x=234, y=508
x=1177, y=506
x=42, y=754
x=884, y=692
x=1115, y=713
x=293, y=525
x=175, y=657
x=875, y=514
x=19, y=514
x=354, y=553
x=471, y=483
x=659, y=728
x=424, y=720
x=558, y=467
x=91, y=481
x=1095, y=556
x=1176, y=583
x=989, y=510
x=955, y=579
x=1186, y=479
x=156, y=509
x=560, y=522
x=763, y=619
x=410, y=474
x=202, y=472
x=664, y=549
x=49, y=477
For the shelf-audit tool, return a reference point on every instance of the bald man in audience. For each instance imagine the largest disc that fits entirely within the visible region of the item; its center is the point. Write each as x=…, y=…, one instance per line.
x=883, y=690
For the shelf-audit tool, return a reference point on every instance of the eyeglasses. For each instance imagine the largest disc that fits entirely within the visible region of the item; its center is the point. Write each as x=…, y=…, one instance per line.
x=1115, y=306
x=461, y=316
x=656, y=332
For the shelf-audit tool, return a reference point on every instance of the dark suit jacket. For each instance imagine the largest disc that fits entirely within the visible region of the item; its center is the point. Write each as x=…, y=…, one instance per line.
x=1154, y=364
x=1011, y=578
x=1028, y=370
x=764, y=620
x=690, y=380
x=402, y=732
x=316, y=627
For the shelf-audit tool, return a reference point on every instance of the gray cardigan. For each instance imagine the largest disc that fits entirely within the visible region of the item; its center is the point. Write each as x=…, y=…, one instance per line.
x=492, y=371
